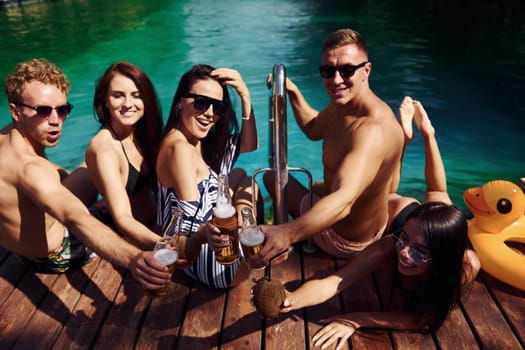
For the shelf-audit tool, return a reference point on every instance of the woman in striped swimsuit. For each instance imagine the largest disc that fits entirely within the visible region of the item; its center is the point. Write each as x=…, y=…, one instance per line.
x=202, y=139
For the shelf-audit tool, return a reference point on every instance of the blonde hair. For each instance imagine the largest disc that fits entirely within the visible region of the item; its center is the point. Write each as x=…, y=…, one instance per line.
x=34, y=70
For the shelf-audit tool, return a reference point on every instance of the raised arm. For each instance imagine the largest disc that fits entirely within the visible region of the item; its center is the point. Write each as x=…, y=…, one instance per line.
x=311, y=121
x=249, y=137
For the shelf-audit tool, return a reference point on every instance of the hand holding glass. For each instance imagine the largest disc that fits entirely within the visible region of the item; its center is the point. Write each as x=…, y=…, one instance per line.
x=252, y=240
x=165, y=252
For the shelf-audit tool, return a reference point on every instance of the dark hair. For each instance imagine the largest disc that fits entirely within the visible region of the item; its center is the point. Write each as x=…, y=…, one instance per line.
x=445, y=228
x=149, y=128
x=215, y=144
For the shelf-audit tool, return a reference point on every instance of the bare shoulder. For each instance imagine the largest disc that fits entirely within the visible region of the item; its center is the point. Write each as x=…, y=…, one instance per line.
x=174, y=145
x=175, y=153
x=38, y=177
x=16, y=154
x=100, y=142
x=382, y=123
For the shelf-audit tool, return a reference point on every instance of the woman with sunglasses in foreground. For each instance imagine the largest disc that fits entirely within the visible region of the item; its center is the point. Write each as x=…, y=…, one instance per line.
x=121, y=156
x=425, y=259
x=200, y=141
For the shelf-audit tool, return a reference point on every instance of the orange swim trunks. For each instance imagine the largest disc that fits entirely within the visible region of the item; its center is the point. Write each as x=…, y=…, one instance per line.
x=332, y=243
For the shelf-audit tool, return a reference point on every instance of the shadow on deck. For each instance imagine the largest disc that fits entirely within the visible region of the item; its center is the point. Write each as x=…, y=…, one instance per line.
x=100, y=306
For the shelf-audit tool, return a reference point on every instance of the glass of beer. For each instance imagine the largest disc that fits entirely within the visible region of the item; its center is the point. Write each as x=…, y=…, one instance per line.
x=225, y=219
x=166, y=253
x=252, y=240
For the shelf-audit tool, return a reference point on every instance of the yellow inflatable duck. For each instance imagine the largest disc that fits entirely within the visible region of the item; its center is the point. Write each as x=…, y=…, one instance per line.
x=498, y=208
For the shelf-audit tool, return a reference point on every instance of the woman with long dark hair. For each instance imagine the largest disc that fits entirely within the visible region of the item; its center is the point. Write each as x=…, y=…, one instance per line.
x=121, y=156
x=201, y=140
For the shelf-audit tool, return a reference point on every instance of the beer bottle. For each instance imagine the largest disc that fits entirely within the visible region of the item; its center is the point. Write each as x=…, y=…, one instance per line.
x=225, y=219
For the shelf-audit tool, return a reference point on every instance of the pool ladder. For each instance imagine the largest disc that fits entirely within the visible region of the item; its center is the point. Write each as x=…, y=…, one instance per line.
x=278, y=152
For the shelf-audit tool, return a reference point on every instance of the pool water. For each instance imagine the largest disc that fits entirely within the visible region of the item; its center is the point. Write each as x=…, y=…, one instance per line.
x=465, y=62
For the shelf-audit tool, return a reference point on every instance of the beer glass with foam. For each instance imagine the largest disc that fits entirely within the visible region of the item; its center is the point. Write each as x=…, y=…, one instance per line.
x=225, y=219
x=251, y=237
x=165, y=250
x=166, y=254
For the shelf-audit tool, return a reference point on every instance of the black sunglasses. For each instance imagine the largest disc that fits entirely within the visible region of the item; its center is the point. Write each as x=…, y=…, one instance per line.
x=346, y=70
x=202, y=103
x=45, y=111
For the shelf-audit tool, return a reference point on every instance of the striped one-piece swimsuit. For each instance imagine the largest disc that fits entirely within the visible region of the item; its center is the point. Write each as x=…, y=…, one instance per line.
x=204, y=268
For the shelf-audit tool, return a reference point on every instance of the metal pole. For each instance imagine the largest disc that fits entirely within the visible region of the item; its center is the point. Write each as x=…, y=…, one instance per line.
x=279, y=145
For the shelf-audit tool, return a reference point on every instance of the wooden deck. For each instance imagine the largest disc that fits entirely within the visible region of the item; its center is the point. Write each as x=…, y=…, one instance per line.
x=102, y=307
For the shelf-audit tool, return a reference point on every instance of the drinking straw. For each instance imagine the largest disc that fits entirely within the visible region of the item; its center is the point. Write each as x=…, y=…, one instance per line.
x=267, y=270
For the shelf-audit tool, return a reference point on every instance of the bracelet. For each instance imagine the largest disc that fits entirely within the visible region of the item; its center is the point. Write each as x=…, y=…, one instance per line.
x=249, y=116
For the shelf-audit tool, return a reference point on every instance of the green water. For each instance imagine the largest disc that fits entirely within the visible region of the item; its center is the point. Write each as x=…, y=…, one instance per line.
x=465, y=62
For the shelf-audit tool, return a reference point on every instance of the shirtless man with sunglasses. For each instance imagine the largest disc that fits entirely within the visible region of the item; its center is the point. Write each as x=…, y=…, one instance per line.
x=362, y=149
x=42, y=215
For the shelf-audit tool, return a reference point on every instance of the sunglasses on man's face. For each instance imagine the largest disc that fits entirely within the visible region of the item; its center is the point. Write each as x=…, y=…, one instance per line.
x=202, y=103
x=346, y=70
x=45, y=111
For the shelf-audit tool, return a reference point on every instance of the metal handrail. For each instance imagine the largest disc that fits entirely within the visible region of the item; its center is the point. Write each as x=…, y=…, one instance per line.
x=278, y=150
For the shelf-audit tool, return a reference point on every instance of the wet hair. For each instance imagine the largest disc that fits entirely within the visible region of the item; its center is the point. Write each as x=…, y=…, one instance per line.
x=215, y=144
x=149, y=128
x=37, y=69
x=445, y=228
x=344, y=37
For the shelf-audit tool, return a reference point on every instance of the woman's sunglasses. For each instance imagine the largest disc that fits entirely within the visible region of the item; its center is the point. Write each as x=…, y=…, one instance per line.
x=202, y=103
x=414, y=254
x=346, y=70
x=45, y=111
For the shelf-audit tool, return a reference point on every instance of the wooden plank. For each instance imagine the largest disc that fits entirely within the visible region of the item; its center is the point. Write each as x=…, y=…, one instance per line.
x=125, y=316
x=47, y=322
x=20, y=307
x=203, y=321
x=489, y=325
x=316, y=266
x=287, y=331
x=85, y=322
x=165, y=316
x=413, y=340
x=455, y=332
x=12, y=271
x=242, y=324
x=511, y=302
x=400, y=339
x=362, y=297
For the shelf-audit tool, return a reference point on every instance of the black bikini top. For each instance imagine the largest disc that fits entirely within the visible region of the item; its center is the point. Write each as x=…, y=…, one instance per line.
x=136, y=179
